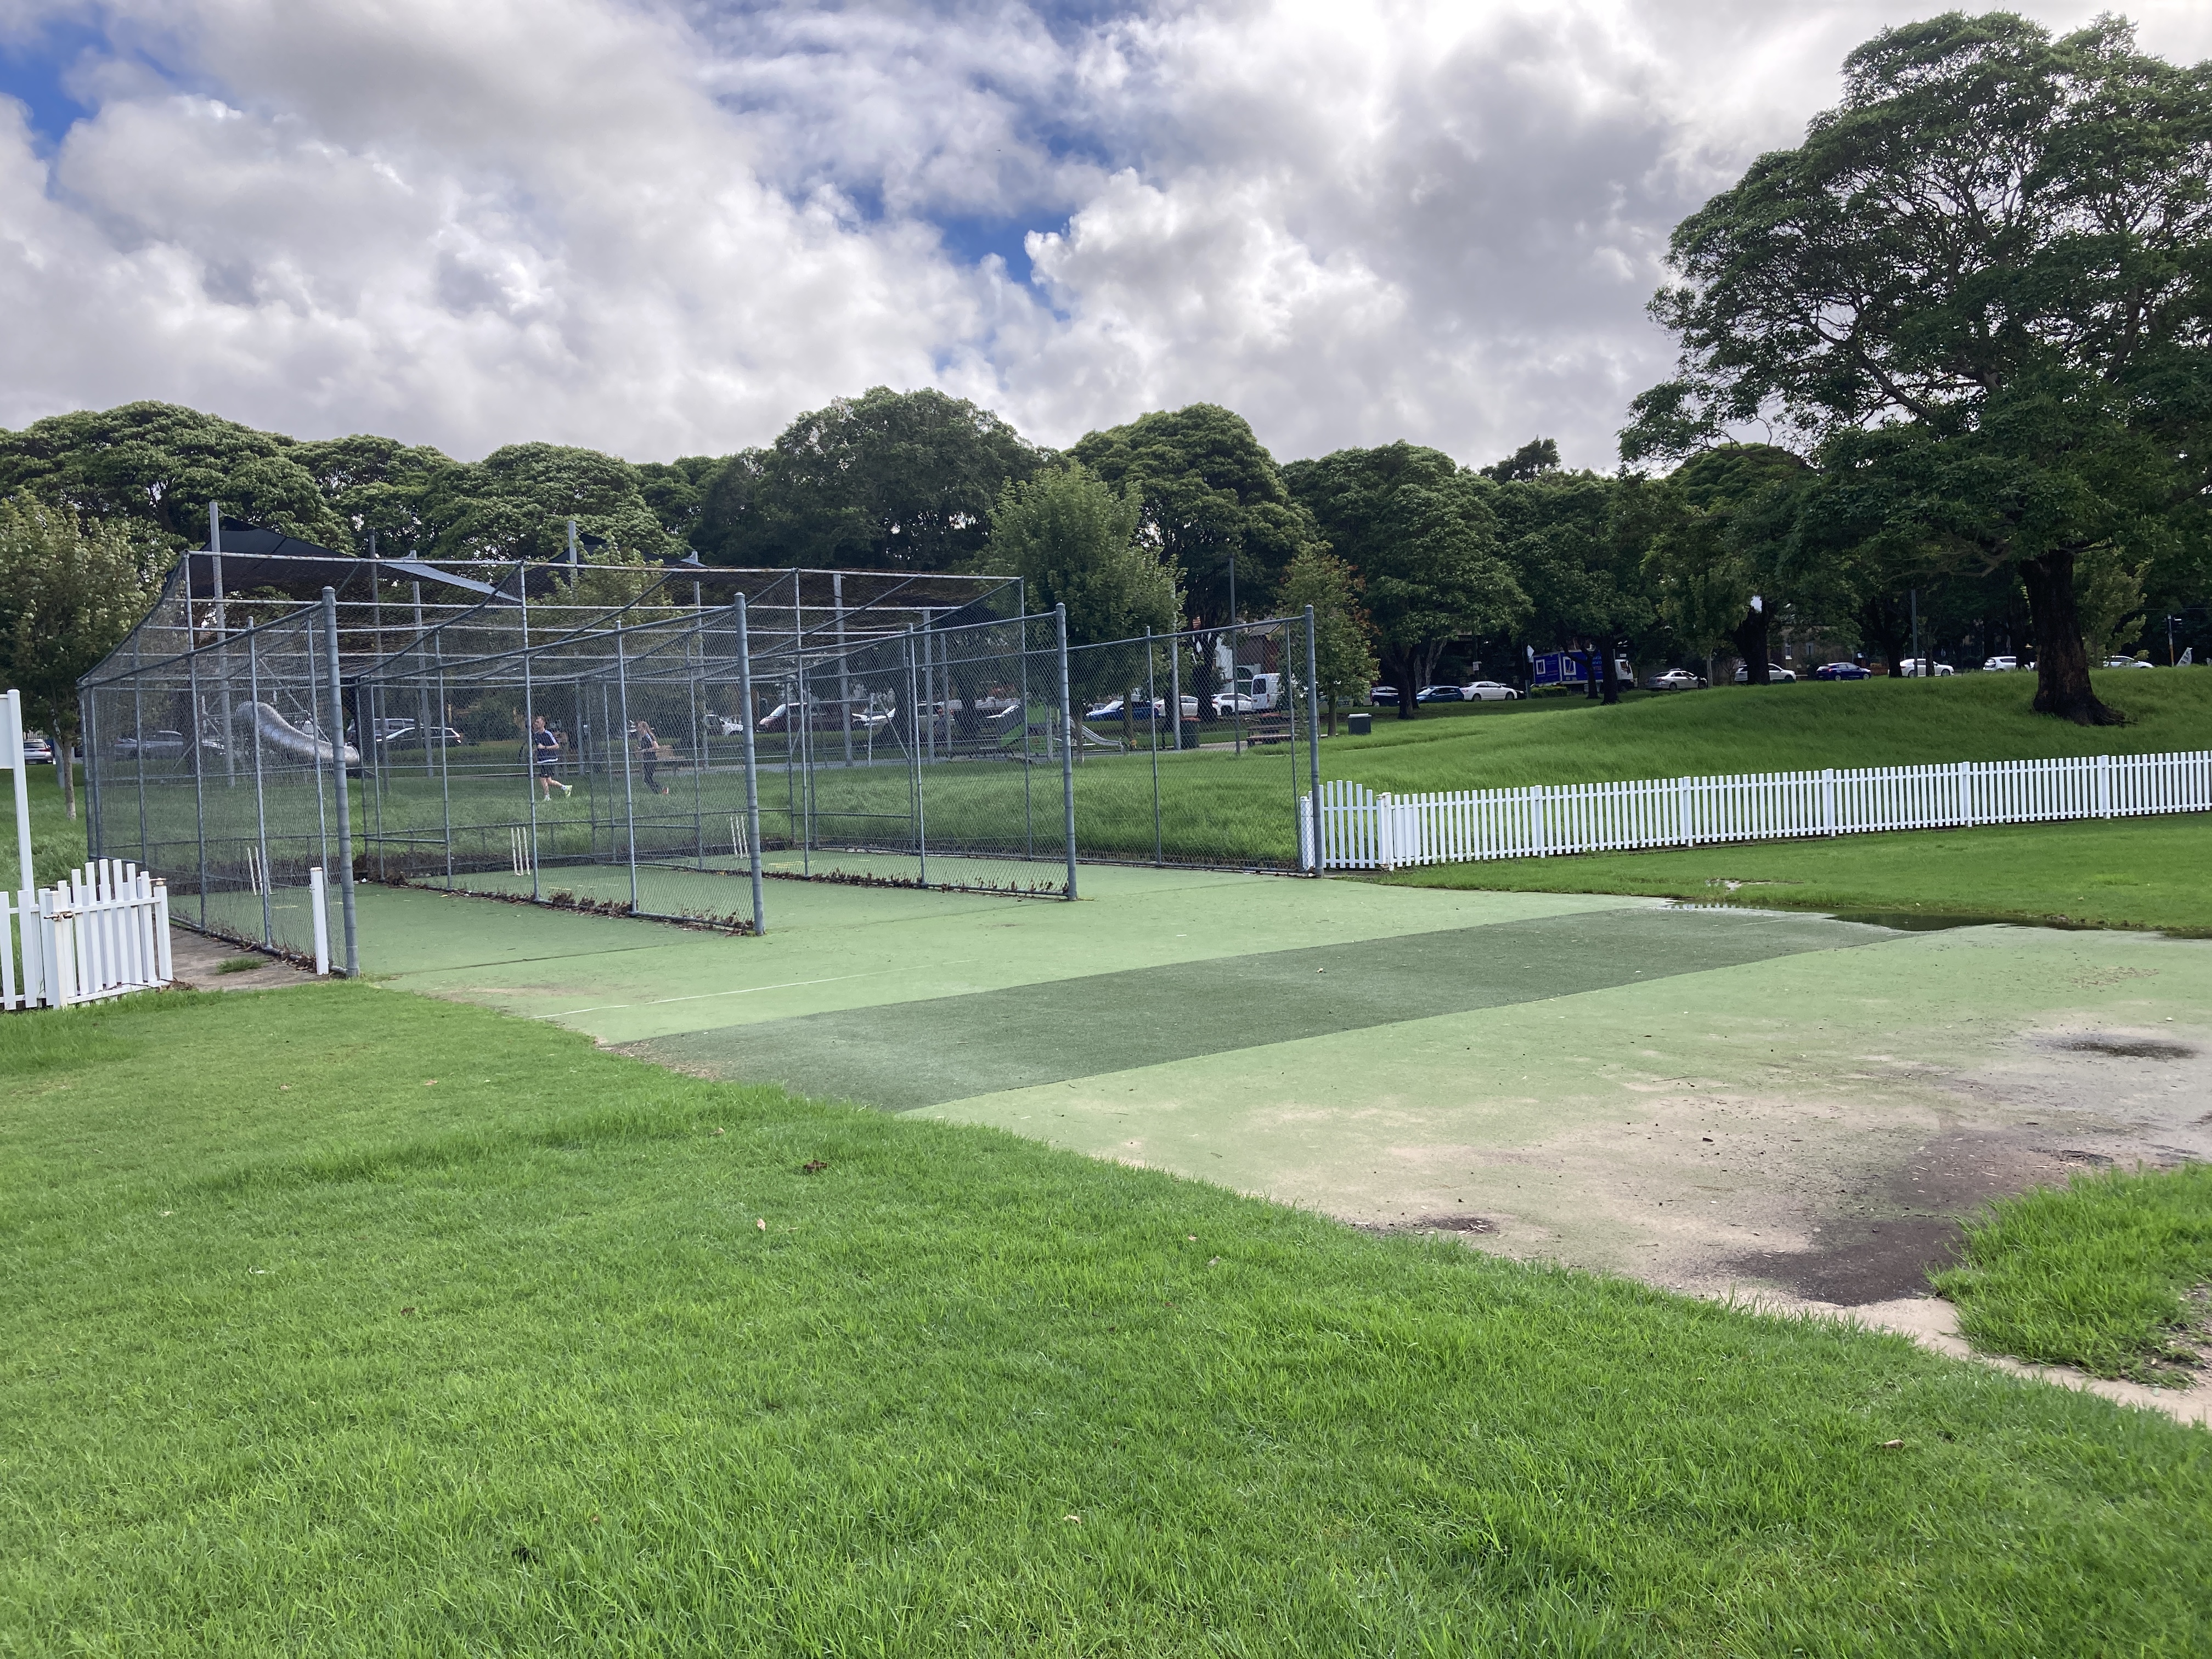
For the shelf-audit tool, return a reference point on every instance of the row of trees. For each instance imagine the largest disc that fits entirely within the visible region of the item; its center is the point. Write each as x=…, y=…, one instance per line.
x=1970, y=321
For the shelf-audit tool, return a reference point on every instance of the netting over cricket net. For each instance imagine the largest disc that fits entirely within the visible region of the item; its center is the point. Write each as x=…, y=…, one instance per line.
x=656, y=742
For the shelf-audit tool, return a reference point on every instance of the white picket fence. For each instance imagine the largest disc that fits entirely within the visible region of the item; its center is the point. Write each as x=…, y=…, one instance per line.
x=103, y=933
x=1361, y=829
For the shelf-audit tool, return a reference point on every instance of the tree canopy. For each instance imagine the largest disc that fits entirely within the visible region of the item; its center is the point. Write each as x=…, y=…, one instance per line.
x=1987, y=275
x=1074, y=541
x=1215, y=503
x=889, y=480
x=1416, y=527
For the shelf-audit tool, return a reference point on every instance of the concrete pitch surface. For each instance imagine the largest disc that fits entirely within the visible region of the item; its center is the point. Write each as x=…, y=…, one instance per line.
x=1718, y=1100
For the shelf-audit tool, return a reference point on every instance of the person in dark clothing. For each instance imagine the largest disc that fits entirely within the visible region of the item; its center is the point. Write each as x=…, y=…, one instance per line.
x=648, y=751
x=545, y=759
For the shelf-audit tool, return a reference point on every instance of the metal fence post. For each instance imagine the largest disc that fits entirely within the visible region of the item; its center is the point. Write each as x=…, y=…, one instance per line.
x=260, y=809
x=1067, y=744
x=1152, y=729
x=914, y=757
x=345, y=802
x=198, y=736
x=630, y=799
x=752, y=777
x=1313, y=737
x=530, y=724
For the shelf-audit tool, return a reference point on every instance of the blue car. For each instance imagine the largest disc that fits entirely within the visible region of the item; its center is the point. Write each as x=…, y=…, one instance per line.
x=1841, y=670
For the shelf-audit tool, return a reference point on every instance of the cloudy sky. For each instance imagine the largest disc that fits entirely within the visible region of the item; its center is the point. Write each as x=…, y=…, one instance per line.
x=663, y=228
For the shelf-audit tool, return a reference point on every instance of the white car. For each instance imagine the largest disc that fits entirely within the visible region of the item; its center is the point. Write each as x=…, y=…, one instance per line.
x=1919, y=668
x=1999, y=664
x=1488, y=692
x=1775, y=675
x=1677, y=679
x=2127, y=662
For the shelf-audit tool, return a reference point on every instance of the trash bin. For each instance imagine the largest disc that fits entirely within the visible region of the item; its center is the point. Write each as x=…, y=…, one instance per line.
x=1360, y=723
x=1190, y=734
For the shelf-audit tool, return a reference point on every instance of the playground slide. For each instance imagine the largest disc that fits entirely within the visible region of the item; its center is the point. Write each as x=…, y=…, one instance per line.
x=280, y=734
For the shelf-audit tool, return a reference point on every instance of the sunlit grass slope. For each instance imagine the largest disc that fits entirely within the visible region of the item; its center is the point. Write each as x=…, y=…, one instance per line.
x=340, y=1321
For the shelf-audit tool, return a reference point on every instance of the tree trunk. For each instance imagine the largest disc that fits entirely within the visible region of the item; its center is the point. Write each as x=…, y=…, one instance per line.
x=2062, y=662
x=1401, y=667
x=1612, y=677
x=57, y=728
x=1750, y=637
x=1879, y=620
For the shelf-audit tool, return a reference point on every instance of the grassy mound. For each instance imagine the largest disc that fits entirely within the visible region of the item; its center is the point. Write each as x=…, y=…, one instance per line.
x=340, y=1320
x=1774, y=728
x=2092, y=1275
x=2130, y=873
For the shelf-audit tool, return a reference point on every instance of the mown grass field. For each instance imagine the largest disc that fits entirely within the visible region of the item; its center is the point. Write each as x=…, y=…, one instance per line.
x=2129, y=872
x=342, y=1321
x=2098, y=1274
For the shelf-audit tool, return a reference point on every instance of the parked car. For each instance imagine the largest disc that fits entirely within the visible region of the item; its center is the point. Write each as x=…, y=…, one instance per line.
x=1919, y=668
x=1488, y=692
x=1383, y=696
x=150, y=745
x=1677, y=679
x=1440, y=693
x=1999, y=664
x=1842, y=670
x=1775, y=675
x=2127, y=662
x=411, y=736
x=37, y=751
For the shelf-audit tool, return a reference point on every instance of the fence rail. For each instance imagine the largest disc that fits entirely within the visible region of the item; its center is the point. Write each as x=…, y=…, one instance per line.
x=1361, y=829
x=103, y=933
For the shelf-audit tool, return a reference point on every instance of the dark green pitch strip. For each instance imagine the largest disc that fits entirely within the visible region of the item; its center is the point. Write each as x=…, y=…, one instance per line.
x=905, y=1055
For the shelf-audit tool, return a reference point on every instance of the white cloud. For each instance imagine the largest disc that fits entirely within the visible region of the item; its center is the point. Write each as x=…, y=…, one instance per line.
x=664, y=228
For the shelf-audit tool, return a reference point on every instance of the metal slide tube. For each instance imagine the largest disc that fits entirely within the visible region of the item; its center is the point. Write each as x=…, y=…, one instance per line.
x=752, y=775
x=1067, y=747
x=345, y=804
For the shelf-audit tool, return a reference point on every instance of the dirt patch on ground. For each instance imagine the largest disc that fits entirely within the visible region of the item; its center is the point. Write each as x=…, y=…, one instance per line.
x=195, y=961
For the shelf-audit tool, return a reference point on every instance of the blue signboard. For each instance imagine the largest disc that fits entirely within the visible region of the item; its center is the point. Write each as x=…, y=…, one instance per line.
x=1559, y=668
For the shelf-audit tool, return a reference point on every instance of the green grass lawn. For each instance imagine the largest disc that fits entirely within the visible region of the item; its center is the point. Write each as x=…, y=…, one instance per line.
x=2129, y=872
x=305, y=1353
x=2094, y=1274
x=57, y=840
x=1774, y=728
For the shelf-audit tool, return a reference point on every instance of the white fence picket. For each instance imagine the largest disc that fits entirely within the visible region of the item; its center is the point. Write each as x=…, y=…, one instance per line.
x=1361, y=829
x=102, y=930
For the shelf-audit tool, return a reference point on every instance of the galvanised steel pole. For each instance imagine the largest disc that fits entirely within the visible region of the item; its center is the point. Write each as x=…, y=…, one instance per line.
x=752, y=776
x=1313, y=739
x=198, y=735
x=421, y=682
x=1067, y=744
x=529, y=723
x=1152, y=726
x=345, y=802
x=913, y=754
x=260, y=810
x=314, y=715
x=630, y=800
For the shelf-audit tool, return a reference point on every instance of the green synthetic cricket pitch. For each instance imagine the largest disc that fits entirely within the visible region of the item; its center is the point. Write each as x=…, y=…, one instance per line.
x=1713, y=1099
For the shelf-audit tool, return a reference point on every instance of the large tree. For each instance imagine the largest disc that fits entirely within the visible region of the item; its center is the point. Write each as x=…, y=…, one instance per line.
x=1216, y=508
x=71, y=589
x=1074, y=541
x=517, y=502
x=1416, y=527
x=1343, y=651
x=890, y=480
x=1557, y=533
x=1995, y=254
x=161, y=464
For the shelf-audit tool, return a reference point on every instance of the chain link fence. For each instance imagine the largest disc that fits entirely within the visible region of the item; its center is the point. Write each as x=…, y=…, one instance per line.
x=658, y=741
